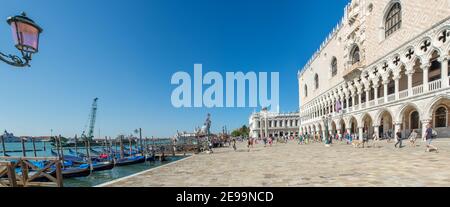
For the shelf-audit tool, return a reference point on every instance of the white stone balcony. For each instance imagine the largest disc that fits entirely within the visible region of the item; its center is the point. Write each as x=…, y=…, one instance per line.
x=403, y=94
x=435, y=85
x=381, y=101
x=391, y=97
x=417, y=90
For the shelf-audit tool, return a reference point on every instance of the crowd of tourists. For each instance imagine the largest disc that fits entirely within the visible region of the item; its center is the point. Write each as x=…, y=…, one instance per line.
x=351, y=138
x=348, y=138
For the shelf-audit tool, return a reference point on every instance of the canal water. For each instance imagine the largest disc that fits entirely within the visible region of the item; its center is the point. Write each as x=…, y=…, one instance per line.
x=95, y=178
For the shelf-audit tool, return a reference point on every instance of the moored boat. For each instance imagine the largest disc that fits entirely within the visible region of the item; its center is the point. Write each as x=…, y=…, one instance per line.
x=130, y=161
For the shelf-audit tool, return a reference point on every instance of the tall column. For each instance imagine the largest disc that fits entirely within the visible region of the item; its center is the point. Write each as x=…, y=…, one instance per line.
x=385, y=92
x=367, y=97
x=359, y=99
x=260, y=128
x=361, y=132
x=444, y=71
x=425, y=123
x=397, y=86
x=346, y=102
x=410, y=73
x=266, y=128
x=376, y=131
x=425, y=68
x=333, y=106
x=353, y=101
x=338, y=129
x=324, y=135
x=375, y=88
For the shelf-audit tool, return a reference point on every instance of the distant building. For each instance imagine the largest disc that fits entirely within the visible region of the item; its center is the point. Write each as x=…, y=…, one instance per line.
x=270, y=124
x=9, y=137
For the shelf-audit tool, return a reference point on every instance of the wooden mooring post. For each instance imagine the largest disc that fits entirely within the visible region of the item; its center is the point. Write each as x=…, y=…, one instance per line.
x=6, y=168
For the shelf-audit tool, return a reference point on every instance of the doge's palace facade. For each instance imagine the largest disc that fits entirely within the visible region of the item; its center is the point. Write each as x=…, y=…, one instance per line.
x=385, y=65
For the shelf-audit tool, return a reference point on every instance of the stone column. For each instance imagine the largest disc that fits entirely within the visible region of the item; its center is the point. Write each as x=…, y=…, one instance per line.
x=367, y=97
x=359, y=99
x=410, y=73
x=361, y=132
x=444, y=71
x=375, y=88
x=376, y=131
x=324, y=135
x=353, y=101
x=397, y=86
x=425, y=68
x=425, y=123
x=260, y=128
x=385, y=92
x=266, y=128
x=346, y=102
x=338, y=129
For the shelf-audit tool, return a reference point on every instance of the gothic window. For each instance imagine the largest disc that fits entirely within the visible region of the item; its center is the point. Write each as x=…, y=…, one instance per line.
x=391, y=87
x=334, y=67
x=435, y=68
x=440, y=117
x=355, y=55
x=414, y=122
x=316, y=81
x=393, y=19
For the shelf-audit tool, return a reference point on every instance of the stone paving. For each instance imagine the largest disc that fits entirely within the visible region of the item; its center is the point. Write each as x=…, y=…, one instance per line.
x=313, y=165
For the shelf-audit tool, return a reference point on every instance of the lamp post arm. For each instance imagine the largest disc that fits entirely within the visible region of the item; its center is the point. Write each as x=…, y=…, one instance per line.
x=14, y=60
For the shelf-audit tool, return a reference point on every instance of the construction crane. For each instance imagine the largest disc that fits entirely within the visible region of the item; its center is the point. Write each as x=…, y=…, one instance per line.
x=92, y=117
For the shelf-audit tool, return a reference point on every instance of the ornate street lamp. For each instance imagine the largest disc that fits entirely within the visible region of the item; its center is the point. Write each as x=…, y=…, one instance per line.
x=26, y=39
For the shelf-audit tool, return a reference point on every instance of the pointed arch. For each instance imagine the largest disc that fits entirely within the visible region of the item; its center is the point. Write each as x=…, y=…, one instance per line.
x=392, y=18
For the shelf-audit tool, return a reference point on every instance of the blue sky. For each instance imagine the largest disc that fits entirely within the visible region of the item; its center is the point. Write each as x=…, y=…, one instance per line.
x=125, y=52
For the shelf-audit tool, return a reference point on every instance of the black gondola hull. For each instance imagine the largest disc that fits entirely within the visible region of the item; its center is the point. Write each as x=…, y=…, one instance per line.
x=126, y=162
x=102, y=167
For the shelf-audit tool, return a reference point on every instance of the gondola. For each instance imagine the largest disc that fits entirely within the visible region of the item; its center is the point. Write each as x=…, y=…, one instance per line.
x=125, y=153
x=70, y=158
x=151, y=158
x=101, y=166
x=130, y=161
x=74, y=172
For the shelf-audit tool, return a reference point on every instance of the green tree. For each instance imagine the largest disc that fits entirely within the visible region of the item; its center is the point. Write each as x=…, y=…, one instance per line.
x=244, y=131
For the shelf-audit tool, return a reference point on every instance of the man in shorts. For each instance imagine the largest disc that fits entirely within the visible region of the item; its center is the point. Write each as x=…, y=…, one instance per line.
x=429, y=138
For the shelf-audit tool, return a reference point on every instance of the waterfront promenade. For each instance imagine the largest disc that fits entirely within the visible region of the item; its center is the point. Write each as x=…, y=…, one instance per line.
x=286, y=165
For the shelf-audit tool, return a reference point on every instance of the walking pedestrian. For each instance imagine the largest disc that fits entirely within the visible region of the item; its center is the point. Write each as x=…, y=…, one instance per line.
x=376, y=139
x=413, y=138
x=429, y=137
x=398, y=139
